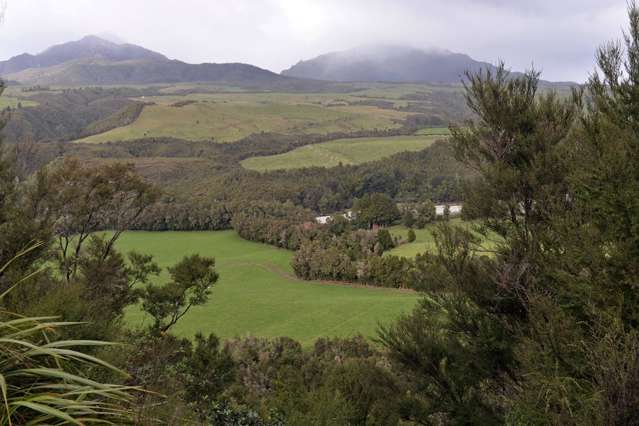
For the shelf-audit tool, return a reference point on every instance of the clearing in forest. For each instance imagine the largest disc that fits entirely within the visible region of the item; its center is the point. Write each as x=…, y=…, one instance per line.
x=344, y=151
x=257, y=293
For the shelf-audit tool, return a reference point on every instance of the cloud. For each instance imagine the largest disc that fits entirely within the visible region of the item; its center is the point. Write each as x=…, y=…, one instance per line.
x=560, y=37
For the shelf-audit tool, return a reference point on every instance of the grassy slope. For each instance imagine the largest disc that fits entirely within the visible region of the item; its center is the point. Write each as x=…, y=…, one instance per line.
x=227, y=118
x=345, y=151
x=440, y=131
x=13, y=102
x=258, y=295
x=425, y=241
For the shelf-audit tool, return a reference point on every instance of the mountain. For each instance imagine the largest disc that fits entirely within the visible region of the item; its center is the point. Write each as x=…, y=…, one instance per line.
x=95, y=61
x=89, y=47
x=389, y=64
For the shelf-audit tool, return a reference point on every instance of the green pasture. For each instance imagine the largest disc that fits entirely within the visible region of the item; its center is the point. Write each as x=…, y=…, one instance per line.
x=432, y=131
x=258, y=295
x=12, y=102
x=344, y=151
x=425, y=242
x=230, y=117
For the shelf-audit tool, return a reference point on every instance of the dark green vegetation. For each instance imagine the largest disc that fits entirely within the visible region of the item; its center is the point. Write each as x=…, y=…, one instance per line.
x=542, y=330
x=71, y=113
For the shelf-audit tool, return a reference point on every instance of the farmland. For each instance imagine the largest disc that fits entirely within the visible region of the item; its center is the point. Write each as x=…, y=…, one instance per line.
x=6, y=101
x=257, y=293
x=230, y=117
x=425, y=242
x=228, y=114
x=341, y=151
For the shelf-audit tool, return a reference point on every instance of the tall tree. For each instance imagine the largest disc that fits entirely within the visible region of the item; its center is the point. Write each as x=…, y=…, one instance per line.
x=475, y=321
x=89, y=199
x=375, y=209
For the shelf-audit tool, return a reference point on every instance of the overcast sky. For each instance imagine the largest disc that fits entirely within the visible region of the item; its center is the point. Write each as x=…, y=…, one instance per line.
x=558, y=36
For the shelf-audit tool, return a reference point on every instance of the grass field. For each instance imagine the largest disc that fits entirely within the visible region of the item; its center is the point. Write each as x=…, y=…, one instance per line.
x=6, y=101
x=258, y=295
x=425, y=242
x=230, y=117
x=439, y=131
x=345, y=151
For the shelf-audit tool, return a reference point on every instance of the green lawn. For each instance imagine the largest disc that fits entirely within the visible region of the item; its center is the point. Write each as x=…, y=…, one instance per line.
x=258, y=295
x=425, y=242
x=345, y=151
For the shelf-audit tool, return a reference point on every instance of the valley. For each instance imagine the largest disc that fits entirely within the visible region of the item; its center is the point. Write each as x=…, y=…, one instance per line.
x=236, y=139
x=258, y=294
x=319, y=213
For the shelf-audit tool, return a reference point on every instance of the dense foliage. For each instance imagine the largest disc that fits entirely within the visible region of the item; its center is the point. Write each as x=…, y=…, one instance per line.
x=71, y=114
x=544, y=330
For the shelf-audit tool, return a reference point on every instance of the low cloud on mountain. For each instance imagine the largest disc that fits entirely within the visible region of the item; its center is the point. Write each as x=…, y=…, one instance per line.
x=558, y=37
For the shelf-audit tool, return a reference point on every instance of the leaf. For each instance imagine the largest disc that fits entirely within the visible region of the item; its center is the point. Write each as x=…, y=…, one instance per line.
x=44, y=409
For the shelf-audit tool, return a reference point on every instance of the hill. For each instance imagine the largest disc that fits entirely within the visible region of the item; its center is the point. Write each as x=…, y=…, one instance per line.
x=397, y=64
x=94, y=61
x=89, y=47
x=389, y=64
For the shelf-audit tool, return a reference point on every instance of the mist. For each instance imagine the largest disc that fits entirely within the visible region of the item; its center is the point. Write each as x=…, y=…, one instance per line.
x=559, y=38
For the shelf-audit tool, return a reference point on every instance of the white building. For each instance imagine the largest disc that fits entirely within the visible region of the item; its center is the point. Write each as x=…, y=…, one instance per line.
x=322, y=220
x=455, y=209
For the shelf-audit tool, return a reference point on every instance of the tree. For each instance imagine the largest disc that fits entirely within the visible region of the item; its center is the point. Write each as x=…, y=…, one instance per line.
x=436, y=348
x=25, y=221
x=208, y=370
x=385, y=239
x=408, y=219
x=375, y=209
x=411, y=236
x=480, y=314
x=108, y=280
x=190, y=285
x=86, y=200
x=446, y=215
x=425, y=214
x=370, y=391
x=608, y=177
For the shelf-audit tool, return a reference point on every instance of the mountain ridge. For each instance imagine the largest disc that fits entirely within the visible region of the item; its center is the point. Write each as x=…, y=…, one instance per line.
x=95, y=61
x=87, y=47
x=390, y=63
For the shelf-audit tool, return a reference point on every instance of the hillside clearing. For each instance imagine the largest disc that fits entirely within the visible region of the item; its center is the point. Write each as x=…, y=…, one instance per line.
x=227, y=118
x=341, y=151
x=257, y=294
x=425, y=242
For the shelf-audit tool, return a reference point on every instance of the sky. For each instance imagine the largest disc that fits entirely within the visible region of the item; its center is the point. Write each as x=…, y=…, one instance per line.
x=558, y=37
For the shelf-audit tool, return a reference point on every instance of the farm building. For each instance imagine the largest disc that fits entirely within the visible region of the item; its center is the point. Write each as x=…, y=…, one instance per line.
x=455, y=209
